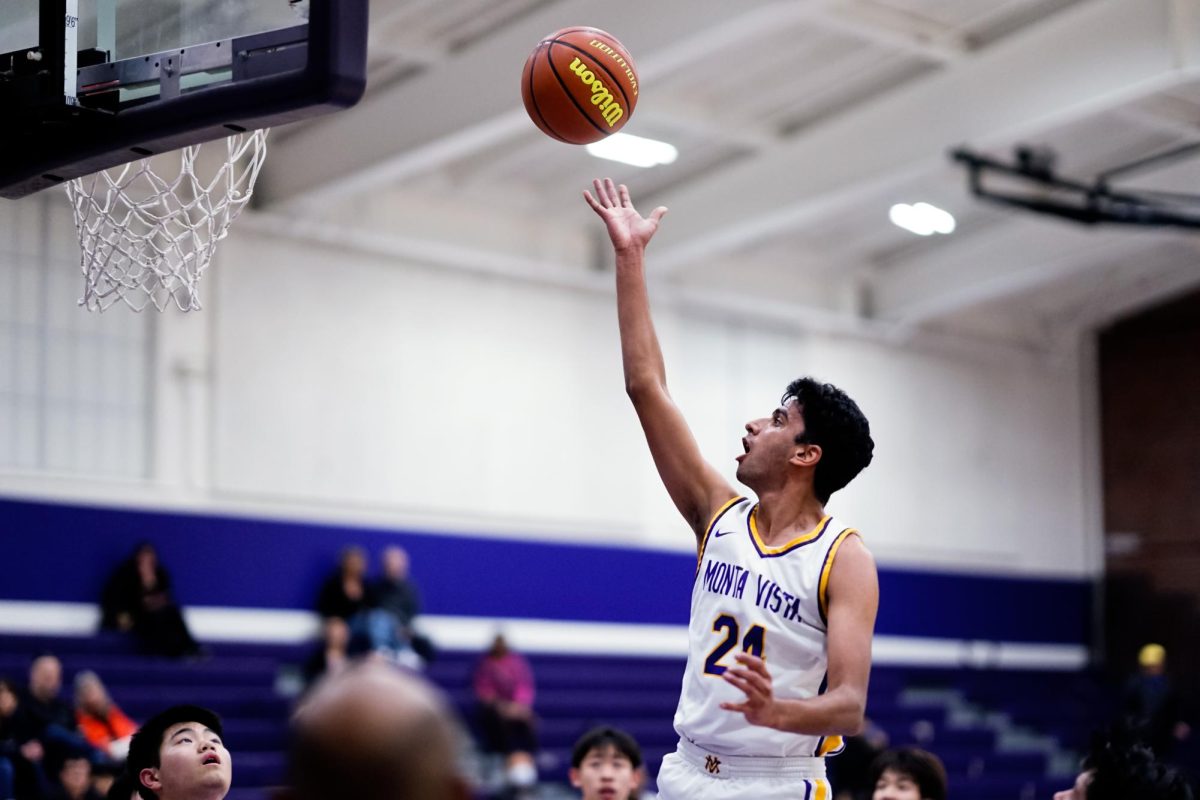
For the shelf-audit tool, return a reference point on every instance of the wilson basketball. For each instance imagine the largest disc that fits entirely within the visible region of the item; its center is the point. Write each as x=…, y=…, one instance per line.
x=579, y=85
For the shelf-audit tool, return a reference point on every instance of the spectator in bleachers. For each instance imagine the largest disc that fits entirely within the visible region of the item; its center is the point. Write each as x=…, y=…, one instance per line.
x=100, y=720
x=74, y=781
x=1119, y=767
x=344, y=594
x=46, y=717
x=374, y=732
x=397, y=594
x=1153, y=703
x=20, y=753
x=504, y=689
x=347, y=596
x=606, y=764
x=908, y=773
x=137, y=597
x=333, y=653
x=177, y=755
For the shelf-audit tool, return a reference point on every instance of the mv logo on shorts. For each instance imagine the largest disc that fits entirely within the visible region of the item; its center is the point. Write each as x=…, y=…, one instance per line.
x=712, y=764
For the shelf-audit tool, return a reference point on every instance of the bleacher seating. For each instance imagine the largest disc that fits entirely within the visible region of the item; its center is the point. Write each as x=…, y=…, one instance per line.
x=575, y=692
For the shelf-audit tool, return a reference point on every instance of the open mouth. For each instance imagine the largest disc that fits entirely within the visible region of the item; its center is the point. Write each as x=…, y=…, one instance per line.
x=211, y=759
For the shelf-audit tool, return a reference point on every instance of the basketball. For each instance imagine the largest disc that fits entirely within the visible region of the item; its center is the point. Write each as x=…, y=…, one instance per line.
x=579, y=85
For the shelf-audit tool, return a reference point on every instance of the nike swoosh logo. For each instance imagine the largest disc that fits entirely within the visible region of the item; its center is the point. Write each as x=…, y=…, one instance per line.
x=722, y=533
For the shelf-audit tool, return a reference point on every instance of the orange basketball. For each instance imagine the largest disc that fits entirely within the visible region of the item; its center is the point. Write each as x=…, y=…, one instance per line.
x=579, y=85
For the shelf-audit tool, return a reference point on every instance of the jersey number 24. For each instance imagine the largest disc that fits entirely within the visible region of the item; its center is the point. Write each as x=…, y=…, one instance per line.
x=752, y=643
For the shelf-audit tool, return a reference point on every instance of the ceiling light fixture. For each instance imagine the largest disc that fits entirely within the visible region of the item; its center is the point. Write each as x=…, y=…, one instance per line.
x=634, y=150
x=922, y=219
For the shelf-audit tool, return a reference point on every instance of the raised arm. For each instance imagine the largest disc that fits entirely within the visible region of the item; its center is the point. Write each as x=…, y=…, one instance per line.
x=696, y=488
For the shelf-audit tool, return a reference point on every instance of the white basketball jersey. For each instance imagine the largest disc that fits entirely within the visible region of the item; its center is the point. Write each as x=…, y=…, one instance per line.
x=769, y=601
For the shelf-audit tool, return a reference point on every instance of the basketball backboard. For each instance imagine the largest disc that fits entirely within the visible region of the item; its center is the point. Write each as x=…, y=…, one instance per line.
x=90, y=84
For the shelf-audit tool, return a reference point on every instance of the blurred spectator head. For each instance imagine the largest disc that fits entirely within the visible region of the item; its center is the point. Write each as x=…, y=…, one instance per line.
x=1152, y=659
x=75, y=776
x=90, y=695
x=178, y=753
x=395, y=563
x=1118, y=767
x=606, y=763
x=498, y=647
x=908, y=773
x=371, y=732
x=145, y=556
x=336, y=634
x=45, y=677
x=8, y=697
x=353, y=562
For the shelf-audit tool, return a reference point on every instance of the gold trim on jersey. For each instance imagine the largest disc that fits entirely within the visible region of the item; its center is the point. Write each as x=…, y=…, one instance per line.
x=764, y=550
x=823, y=585
x=711, y=525
x=829, y=744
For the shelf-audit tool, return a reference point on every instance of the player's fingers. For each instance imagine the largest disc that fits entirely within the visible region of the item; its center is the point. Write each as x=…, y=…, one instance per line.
x=753, y=662
x=741, y=685
x=602, y=193
x=623, y=191
x=730, y=678
x=741, y=708
x=756, y=680
x=611, y=188
x=658, y=214
x=754, y=690
x=591, y=201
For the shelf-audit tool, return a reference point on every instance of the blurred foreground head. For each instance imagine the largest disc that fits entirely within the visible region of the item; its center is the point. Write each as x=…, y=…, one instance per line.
x=374, y=732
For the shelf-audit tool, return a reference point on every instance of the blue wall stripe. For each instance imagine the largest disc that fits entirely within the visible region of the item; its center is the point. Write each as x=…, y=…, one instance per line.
x=64, y=553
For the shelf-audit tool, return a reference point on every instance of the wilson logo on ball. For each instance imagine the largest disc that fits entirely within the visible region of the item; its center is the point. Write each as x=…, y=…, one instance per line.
x=601, y=96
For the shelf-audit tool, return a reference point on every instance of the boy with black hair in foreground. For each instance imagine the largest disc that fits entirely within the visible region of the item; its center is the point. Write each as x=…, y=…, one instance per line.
x=606, y=764
x=177, y=755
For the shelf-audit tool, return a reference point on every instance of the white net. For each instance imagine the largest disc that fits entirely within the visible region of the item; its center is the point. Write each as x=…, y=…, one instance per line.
x=145, y=239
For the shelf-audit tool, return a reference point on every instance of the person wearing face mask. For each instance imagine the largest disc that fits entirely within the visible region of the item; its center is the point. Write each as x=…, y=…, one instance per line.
x=908, y=773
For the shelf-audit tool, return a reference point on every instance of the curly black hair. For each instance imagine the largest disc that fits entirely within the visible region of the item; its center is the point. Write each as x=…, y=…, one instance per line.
x=835, y=423
x=1123, y=767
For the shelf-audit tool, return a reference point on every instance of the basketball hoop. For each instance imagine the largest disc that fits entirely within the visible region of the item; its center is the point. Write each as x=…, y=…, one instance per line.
x=147, y=240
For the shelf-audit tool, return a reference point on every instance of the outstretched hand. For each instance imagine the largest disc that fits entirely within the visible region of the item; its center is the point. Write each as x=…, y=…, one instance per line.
x=626, y=227
x=752, y=677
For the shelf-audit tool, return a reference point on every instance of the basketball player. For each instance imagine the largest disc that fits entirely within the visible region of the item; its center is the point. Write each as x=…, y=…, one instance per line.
x=784, y=600
x=177, y=755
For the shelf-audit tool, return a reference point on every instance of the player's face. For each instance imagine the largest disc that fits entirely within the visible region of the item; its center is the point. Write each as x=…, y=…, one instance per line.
x=893, y=785
x=605, y=774
x=1079, y=790
x=769, y=443
x=192, y=762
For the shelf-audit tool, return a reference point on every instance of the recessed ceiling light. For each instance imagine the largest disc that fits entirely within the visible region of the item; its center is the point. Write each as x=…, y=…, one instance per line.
x=922, y=219
x=635, y=150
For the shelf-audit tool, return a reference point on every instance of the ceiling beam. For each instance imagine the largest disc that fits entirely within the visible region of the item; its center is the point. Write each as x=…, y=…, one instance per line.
x=1092, y=56
x=1001, y=261
x=896, y=29
x=471, y=99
